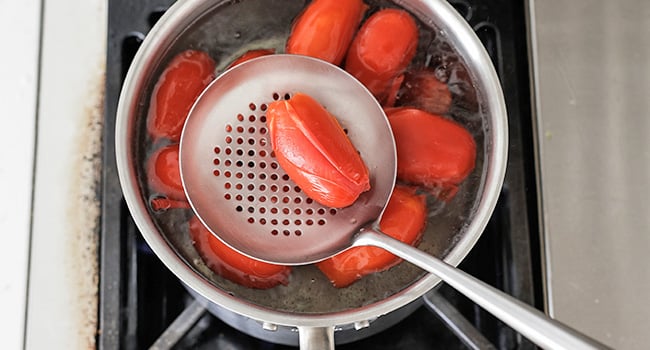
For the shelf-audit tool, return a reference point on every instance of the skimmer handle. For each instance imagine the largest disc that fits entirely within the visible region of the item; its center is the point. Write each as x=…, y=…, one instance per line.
x=528, y=321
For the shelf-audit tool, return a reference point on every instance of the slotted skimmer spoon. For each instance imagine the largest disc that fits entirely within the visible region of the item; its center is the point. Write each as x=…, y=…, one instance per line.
x=240, y=193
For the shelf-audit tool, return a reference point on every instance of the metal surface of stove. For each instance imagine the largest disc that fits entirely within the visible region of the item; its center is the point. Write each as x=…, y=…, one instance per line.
x=142, y=303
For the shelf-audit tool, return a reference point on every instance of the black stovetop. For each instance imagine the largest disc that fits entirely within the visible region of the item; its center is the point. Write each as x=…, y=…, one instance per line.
x=140, y=298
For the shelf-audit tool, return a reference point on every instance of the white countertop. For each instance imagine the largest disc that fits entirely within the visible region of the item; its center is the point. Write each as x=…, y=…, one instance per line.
x=63, y=277
x=19, y=35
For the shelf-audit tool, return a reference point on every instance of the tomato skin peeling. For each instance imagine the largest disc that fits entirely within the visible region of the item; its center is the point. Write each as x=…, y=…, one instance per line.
x=404, y=219
x=180, y=84
x=313, y=149
x=325, y=29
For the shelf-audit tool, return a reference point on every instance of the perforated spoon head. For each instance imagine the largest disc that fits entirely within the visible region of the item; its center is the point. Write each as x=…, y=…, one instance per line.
x=234, y=183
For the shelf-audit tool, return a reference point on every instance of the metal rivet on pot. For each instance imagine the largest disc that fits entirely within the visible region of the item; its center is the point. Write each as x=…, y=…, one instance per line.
x=361, y=324
x=272, y=327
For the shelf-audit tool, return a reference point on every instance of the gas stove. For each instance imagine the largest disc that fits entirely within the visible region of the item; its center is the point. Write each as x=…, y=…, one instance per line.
x=142, y=304
x=568, y=236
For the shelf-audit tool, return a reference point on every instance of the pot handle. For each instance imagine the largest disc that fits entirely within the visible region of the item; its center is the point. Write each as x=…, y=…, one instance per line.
x=316, y=338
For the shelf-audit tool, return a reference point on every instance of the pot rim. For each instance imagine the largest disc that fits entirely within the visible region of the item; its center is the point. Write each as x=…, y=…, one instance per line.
x=183, y=13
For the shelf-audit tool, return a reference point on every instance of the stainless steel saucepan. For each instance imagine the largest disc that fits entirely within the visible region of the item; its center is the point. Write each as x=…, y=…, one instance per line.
x=226, y=29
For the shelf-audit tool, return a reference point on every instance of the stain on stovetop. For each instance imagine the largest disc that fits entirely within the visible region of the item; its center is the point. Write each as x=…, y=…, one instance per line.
x=84, y=212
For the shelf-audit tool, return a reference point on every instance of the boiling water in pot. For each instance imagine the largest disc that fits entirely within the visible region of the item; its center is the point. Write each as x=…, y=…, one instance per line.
x=235, y=27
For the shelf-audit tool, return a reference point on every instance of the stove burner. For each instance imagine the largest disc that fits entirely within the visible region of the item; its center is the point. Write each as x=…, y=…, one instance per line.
x=142, y=304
